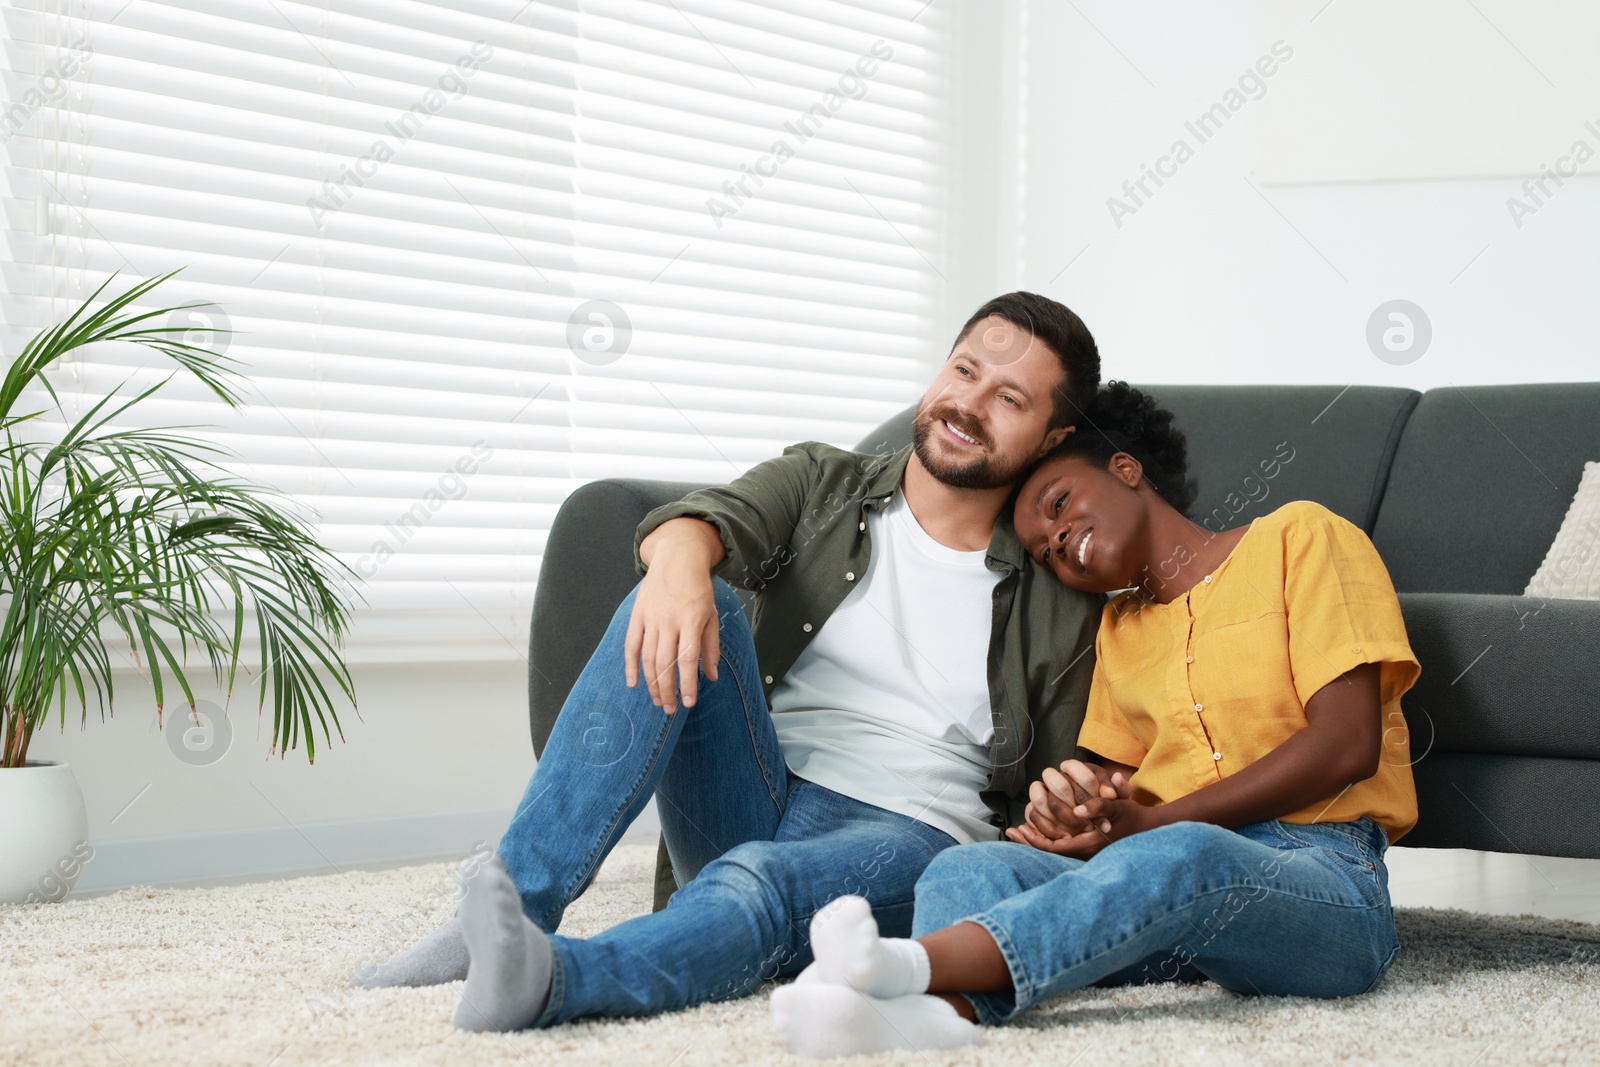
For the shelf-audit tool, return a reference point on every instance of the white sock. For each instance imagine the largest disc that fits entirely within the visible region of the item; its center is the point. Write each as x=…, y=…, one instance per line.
x=822, y=1020
x=849, y=952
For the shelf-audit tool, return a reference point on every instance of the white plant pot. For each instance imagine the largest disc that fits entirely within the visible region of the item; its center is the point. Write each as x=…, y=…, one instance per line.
x=44, y=832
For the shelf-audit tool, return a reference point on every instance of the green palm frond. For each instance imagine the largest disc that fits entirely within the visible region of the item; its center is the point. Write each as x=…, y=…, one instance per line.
x=107, y=529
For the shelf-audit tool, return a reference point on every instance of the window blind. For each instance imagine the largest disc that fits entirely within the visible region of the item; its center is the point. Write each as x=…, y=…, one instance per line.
x=477, y=254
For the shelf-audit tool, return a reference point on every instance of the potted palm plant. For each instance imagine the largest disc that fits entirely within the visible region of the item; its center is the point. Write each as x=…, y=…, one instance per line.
x=117, y=537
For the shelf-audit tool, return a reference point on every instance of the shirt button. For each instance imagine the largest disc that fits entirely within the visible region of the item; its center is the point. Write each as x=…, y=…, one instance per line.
x=850, y=576
x=1199, y=707
x=1216, y=755
x=861, y=526
x=769, y=679
x=1356, y=649
x=1208, y=577
x=806, y=627
x=1188, y=659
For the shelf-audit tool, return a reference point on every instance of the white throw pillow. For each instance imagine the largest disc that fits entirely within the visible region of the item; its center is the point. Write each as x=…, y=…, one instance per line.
x=1571, y=569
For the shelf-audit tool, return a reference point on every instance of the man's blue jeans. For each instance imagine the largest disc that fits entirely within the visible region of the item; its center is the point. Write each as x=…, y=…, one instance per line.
x=1268, y=908
x=765, y=850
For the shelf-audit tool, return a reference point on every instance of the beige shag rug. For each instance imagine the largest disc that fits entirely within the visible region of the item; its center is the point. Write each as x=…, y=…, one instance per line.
x=254, y=974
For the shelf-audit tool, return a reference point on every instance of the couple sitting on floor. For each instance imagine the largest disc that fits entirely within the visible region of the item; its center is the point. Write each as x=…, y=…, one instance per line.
x=934, y=723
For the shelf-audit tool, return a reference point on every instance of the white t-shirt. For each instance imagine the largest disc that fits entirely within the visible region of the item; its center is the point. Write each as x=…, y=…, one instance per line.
x=889, y=703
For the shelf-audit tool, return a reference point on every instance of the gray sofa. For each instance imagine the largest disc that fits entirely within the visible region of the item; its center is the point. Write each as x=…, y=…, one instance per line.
x=1462, y=491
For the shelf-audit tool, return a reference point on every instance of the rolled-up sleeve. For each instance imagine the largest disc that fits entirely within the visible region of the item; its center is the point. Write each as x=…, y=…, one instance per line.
x=1341, y=609
x=1106, y=731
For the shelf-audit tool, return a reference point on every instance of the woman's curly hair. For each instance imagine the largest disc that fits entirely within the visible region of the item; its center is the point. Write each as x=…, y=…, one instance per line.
x=1123, y=419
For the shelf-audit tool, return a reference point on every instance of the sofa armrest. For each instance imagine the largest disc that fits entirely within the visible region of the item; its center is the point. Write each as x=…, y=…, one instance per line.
x=1505, y=722
x=586, y=572
x=1504, y=675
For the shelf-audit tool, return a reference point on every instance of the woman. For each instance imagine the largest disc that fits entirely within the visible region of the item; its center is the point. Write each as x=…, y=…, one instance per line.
x=1233, y=822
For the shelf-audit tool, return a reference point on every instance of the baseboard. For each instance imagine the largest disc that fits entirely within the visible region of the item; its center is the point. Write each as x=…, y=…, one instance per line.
x=311, y=848
x=278, y=850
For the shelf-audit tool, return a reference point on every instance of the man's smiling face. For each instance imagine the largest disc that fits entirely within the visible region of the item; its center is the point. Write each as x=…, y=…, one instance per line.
x=987, y=415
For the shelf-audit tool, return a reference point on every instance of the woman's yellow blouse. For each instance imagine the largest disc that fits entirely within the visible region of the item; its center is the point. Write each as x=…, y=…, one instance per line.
x=1195, y=690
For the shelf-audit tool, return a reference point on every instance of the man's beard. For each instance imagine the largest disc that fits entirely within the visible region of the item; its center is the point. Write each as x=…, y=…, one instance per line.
x=980, y=472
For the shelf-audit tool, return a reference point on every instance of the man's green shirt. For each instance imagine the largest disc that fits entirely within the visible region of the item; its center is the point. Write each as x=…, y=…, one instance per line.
x=795, y=533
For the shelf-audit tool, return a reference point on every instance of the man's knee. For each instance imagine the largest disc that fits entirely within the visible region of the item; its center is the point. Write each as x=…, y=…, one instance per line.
x=749, y=882
x=730, y=609
x=747, y=875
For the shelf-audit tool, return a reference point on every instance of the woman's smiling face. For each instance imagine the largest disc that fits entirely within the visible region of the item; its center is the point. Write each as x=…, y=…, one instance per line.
x=1085, y=522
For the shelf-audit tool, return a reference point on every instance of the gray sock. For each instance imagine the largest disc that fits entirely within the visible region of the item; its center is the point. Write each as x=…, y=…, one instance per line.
x=508, y=980
x=439, y=957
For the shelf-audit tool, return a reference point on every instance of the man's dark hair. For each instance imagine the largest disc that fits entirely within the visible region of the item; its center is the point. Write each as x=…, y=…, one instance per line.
x=1054, y=325
x=1123, y=419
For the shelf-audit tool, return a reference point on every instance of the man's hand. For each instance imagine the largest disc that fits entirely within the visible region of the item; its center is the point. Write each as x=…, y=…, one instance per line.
x=1094, y=780
x=673, y=629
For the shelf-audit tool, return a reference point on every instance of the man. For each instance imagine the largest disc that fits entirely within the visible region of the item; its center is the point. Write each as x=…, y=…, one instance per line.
x=907, y=672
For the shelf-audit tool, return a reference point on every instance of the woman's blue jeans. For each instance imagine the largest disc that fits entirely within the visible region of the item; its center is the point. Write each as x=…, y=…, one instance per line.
x=1268, y=908
x=765, y=850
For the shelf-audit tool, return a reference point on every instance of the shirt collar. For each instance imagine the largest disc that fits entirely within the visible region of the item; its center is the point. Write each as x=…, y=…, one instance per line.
x=883, y=476
x=1004, y=547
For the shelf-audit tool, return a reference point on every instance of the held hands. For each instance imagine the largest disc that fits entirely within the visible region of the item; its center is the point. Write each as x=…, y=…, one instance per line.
x=1066, y=791
x=1081, y=811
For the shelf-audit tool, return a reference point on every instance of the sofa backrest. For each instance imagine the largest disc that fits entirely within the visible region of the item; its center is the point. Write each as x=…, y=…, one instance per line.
x=1254, y=447
x=1480, y=483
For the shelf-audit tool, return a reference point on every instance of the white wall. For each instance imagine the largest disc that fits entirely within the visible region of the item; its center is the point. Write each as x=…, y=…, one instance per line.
x=1215, y=279
x=436, y=761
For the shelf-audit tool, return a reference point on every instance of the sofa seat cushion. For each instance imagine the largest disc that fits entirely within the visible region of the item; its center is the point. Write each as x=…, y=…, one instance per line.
x=1506, y=804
